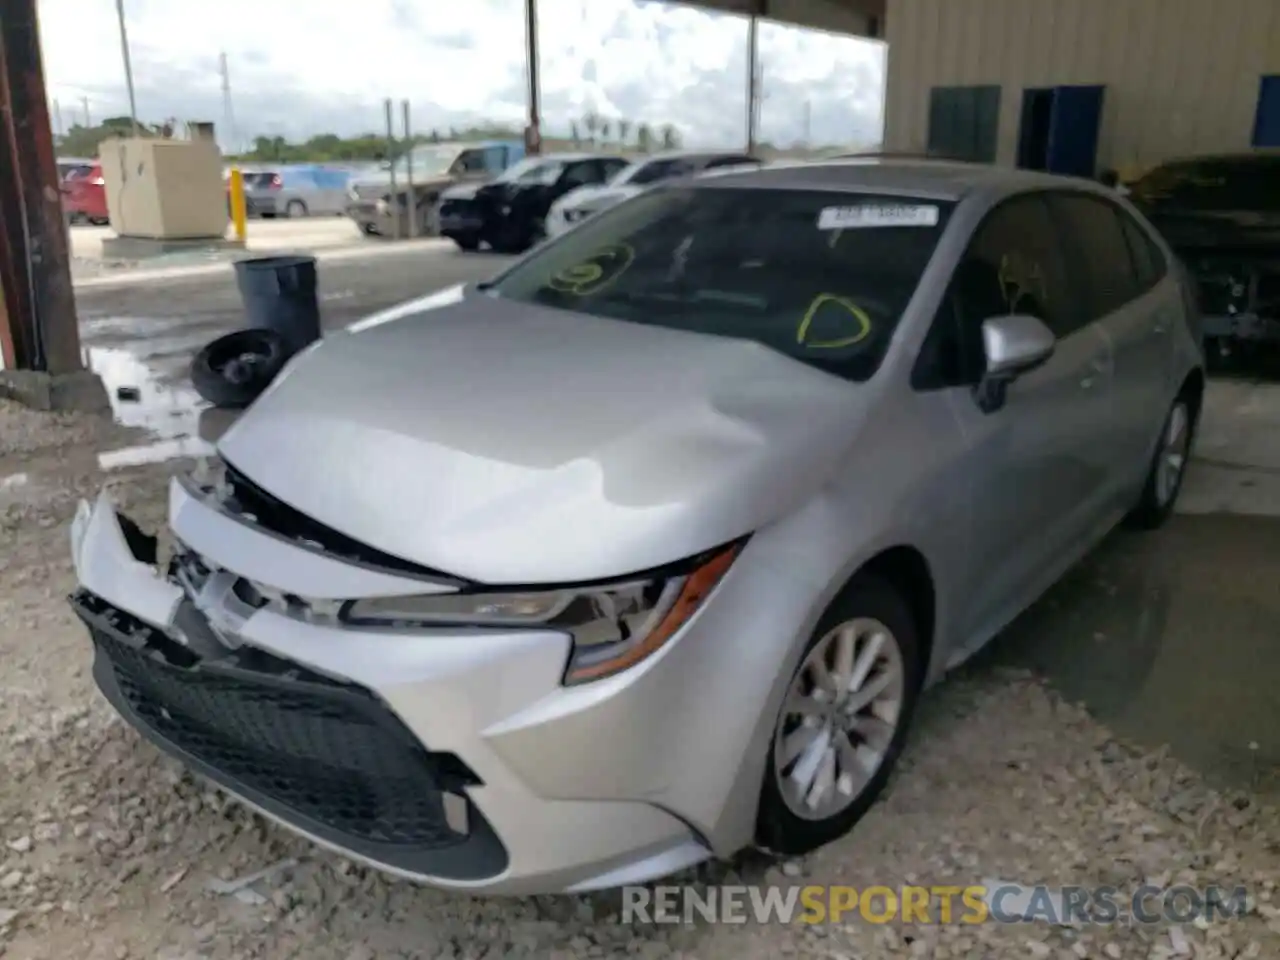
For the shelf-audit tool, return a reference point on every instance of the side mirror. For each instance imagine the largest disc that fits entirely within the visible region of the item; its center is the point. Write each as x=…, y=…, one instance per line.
x=1012, y=346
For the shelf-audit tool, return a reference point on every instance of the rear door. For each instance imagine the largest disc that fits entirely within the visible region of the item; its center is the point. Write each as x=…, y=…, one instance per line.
x=1132, y=298
x=1032, y=474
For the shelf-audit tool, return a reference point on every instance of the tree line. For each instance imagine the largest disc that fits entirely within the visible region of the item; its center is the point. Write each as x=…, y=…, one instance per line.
x=593, y=130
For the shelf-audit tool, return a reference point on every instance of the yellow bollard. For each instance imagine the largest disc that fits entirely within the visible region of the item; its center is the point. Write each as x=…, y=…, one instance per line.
x=239, y=213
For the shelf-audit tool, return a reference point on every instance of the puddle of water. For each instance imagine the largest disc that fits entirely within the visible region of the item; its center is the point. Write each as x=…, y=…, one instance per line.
x=141, y=398
x=1169, y=638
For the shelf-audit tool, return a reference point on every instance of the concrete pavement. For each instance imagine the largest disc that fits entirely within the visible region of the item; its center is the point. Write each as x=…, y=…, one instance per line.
x=314, y=233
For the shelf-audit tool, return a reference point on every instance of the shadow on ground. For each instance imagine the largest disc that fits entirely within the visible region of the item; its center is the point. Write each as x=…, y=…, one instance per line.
x=1170, y=638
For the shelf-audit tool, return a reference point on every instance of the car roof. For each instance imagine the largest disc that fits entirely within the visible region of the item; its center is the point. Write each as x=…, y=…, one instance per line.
x=934, y=179
x=690, y=155
x=570, y=157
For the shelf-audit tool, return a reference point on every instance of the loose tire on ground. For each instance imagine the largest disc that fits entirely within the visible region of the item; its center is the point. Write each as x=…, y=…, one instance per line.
x=867, y=598
x=234, y=369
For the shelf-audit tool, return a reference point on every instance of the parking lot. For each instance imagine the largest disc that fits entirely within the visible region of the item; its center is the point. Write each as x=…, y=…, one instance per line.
x=1122, y=731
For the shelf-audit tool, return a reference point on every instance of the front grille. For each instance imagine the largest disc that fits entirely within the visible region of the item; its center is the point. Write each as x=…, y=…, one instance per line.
x=330, y=754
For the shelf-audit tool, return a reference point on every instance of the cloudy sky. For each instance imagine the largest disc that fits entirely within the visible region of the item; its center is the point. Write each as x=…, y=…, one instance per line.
x=299, y=68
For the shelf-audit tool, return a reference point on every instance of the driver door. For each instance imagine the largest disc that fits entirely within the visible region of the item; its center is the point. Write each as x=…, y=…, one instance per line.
x=1033, y=473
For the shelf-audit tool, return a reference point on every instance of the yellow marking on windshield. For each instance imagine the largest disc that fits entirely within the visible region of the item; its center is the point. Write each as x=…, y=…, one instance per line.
x=855, y=311
x=596, y=272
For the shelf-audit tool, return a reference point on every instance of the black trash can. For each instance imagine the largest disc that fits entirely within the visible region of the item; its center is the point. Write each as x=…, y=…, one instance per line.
x=279, y=293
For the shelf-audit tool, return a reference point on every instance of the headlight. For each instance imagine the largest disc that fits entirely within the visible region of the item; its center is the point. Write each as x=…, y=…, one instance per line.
x=613, y=626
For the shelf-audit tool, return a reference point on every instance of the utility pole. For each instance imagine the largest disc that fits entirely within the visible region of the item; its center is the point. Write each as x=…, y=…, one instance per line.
x=35, y=271
x=84, y=101
x=753, y=81
x=408, y=170
x=57, y=118
x=391, y=172
x=808, y=120
x=228, y=115
x=128, y=67
x=533, y=134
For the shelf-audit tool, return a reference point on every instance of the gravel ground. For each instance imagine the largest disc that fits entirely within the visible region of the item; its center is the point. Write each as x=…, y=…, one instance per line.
x=110, y=850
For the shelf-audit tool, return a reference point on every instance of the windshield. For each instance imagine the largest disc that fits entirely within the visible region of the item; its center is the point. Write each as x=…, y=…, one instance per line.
x=532, y=170
x=428, y=161
x=822, y=277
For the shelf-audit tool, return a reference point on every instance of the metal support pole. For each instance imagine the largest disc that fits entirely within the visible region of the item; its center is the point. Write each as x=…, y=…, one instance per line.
x=35, y=268
x=394, y=203
x=408, y=170
x=128, y=67
x=753, y=81
x=533, y=134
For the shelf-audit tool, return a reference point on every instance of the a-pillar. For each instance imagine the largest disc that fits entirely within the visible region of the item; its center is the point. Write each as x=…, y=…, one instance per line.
x=42, y=362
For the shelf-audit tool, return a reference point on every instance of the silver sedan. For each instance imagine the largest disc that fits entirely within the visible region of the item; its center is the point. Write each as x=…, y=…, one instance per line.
x=643, y=552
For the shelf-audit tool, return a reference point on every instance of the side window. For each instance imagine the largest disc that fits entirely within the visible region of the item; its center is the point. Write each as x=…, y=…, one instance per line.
x=1013, y=264
x=614, y=167
x=579, y=174
x=471, y=161
x=1110, y=277
x=495, y=158
x=1148, y=259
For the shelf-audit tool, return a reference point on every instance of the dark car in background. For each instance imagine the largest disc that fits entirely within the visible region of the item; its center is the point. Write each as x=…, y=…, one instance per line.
x=1221, y=215
x=577, y=205
x=509, y=213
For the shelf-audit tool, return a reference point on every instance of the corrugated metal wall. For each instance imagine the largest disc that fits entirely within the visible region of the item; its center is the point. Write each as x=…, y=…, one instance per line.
x=1182, y=76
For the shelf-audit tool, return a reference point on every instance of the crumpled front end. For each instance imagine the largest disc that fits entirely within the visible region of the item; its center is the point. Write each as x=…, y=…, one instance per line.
x=405, y=749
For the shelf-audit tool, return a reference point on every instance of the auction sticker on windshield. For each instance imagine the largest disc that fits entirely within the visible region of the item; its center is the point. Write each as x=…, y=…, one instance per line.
x=868, y=215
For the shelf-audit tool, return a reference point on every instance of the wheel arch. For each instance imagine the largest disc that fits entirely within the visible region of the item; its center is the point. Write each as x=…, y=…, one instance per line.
x=907, y=570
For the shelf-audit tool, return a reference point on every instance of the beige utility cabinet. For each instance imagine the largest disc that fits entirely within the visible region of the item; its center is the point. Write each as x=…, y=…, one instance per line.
x=162, y=189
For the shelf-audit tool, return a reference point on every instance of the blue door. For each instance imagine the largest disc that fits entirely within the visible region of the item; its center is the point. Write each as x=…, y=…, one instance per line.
x=1075, y=118
x=1266, y=125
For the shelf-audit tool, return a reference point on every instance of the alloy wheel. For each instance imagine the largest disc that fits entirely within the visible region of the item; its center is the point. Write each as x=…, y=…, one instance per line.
x=839, y=718
x=1174, y=447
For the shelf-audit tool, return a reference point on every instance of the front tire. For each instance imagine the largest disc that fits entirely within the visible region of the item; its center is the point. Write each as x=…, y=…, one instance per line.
x=843, y=721
x=295, y=208
x=1168, y=466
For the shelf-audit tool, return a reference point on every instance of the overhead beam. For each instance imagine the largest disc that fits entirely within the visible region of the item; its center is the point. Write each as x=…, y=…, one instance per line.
x=855, y=18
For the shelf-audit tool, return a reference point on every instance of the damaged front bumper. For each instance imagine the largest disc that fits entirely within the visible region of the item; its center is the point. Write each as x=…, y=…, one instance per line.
x=402, y=749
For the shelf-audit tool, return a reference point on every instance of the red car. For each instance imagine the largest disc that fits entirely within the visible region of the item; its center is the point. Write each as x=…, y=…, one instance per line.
x=83, y=197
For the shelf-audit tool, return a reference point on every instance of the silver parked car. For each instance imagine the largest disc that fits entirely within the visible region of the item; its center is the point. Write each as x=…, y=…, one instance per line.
x=643, y=552
x=574, y=207
x=296, y=191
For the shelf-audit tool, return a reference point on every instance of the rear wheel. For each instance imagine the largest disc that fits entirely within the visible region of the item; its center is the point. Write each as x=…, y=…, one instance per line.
x=1164, y=477
x=843, y=721
x=295, y=208
x=467, y=241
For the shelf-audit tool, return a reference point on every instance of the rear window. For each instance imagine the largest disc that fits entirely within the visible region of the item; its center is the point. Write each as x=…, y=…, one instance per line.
x=822, y=277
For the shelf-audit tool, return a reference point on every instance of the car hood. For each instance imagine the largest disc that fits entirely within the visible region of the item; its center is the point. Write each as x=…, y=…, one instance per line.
x=466, y=191
x=506, y=443
x=593, y=197
x=382, y=181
